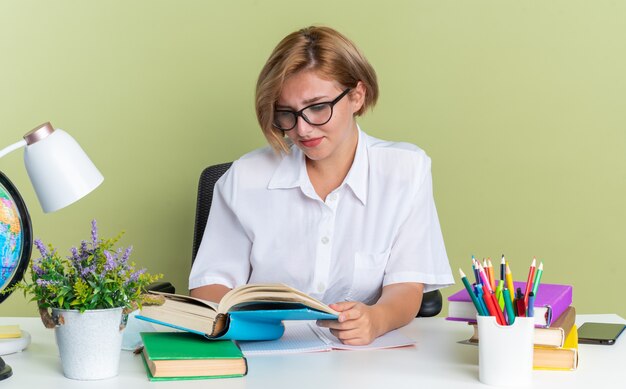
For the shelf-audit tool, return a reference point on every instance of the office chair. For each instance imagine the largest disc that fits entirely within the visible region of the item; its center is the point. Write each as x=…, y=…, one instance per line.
x=431, y=302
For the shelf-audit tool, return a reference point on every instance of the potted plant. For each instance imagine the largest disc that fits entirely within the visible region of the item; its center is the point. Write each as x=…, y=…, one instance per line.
x=86, y=297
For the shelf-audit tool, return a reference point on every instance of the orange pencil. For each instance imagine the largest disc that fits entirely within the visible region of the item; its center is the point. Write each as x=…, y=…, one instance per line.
x=529, y=282
x=492, y=277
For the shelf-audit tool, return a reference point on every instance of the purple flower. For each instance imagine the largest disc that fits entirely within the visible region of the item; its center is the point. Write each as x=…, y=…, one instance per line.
x=135, y=276
x=87, y=271
x=126, y=254
x=44, y=283
x=37, y=269
x=83, y=247
x=94, y=233
x=75, y=257
x=110, y=264
x=41, y=247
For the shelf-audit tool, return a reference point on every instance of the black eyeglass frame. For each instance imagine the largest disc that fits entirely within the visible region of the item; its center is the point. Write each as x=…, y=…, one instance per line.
x=299, y=113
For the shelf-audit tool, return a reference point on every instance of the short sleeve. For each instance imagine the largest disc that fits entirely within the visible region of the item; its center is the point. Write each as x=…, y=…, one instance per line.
x=224, y=253
x=418, y=253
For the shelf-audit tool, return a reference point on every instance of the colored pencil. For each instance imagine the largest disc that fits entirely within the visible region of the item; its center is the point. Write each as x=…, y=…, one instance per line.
x=491, y=306
x=475, y=269
x=508, y=305
x=537, y=279
x=491, y=274
x=484, y=278
x=499, y=295
x=471, y=294
x=509, y=282
x=529, y=281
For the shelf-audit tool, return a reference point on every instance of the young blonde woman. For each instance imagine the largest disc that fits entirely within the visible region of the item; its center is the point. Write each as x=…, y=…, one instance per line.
x=342, y=216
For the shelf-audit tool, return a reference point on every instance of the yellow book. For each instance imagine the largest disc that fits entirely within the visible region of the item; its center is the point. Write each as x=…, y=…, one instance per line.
x=559, y=358
x=10, y=331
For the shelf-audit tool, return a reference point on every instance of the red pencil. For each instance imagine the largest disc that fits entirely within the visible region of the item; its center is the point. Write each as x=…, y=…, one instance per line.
x=492, y=307
x=529, y=282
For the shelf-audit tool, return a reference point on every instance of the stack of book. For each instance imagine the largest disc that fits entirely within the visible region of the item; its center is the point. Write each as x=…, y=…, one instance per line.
x=556, y=335
x=183, y=355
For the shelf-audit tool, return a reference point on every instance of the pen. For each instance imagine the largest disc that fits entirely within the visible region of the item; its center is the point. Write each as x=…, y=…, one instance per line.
x=530, y=311
x=502, y=268
x=529, y=282
x=471, y=293
x=537, y=279
x=509, y=282
x=508, y=305
x=520, y=306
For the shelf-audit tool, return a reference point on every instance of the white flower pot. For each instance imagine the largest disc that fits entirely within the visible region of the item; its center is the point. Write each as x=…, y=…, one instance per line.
x=89, y=342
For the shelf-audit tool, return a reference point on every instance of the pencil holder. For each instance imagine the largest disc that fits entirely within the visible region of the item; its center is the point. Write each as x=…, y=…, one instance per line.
x=505, y=353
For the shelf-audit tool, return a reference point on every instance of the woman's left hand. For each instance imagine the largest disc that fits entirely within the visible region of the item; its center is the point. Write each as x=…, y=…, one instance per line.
x=357, y=325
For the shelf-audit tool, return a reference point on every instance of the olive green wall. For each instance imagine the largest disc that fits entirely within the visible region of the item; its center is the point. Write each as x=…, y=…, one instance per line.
x=520, y=104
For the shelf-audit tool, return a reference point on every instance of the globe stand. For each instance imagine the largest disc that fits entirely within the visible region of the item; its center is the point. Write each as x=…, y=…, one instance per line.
x=11, y=346
x=5, y=370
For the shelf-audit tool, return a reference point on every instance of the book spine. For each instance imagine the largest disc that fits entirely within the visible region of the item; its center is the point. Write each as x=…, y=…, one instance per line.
x=560, y=305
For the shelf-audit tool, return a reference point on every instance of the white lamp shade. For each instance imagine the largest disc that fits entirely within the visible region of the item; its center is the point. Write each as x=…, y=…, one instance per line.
x=60, y=171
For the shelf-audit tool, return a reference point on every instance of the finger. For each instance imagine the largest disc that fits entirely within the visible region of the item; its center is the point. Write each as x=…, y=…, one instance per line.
x=356, y=342
x=334, y=324
x=351, y=314
x=325, y=323
x=352, y=337
x=345, y=335
x=343, y=306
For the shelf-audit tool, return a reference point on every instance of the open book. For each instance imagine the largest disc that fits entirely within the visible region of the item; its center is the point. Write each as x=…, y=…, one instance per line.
x=248, y=312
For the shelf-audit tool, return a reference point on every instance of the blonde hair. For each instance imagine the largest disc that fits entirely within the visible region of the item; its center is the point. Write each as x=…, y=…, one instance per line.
x=323, y=50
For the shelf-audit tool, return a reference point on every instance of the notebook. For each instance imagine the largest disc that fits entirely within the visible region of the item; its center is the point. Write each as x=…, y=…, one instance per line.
x=303, y=337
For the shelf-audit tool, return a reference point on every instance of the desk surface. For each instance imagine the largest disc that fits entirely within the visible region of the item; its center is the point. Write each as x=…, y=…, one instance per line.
x=437, y=361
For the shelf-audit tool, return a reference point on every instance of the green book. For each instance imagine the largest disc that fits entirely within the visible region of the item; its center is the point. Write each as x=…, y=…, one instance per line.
x=183, y=355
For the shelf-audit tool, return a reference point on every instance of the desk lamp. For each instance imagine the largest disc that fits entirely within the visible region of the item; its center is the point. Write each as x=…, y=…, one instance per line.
x=61, y=174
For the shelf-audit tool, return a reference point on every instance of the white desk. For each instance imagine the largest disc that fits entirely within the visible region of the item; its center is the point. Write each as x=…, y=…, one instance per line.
x=437, y=361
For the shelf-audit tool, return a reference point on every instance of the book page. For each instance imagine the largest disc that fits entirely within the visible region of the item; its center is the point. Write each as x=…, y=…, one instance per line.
x=270, y=293
x=188, y=300
x=306, y=336
x=391, y=339
x=299, y=337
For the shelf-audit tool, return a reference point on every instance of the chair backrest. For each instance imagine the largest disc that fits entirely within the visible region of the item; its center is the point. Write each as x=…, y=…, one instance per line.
x=208, y=178
x=431, y=302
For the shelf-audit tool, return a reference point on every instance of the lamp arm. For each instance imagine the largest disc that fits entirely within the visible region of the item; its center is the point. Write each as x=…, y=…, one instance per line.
x=12, y=147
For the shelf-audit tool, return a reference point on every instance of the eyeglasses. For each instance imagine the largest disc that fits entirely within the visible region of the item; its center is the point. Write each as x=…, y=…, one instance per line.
x=316, y=114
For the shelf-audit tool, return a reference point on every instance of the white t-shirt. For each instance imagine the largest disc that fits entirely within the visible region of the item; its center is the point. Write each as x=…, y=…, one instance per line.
x=379, y=227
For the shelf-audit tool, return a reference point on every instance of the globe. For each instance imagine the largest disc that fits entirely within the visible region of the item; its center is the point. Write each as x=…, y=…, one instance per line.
x=15, y=236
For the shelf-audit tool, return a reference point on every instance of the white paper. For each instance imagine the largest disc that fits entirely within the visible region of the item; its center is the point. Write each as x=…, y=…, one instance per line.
x=306, y=336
